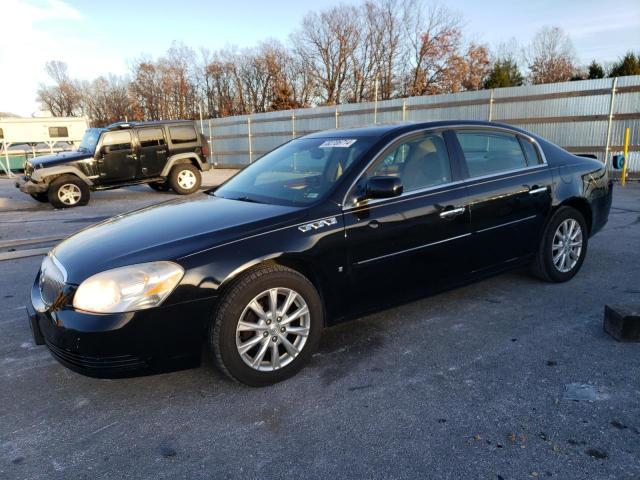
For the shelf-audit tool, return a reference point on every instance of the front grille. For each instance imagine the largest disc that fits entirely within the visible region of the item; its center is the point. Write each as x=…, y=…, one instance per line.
x=52, y=280
x=97, y=363
x=28, y=169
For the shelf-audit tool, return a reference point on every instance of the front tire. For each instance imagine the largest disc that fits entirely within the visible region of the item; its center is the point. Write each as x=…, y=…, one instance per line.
x=68, y=191
x=267, y=325
x=563, y=246
x=40, y=197
x=185, y=179
x=160, y=186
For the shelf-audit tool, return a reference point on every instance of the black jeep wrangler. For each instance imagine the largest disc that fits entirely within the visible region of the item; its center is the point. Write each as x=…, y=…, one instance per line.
x=166, y=155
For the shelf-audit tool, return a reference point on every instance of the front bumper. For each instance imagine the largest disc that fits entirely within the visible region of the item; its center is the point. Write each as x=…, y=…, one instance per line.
x=124, y=344
x=27, y=186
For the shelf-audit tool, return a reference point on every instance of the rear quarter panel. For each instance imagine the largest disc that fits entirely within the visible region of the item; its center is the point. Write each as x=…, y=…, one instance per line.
x=578, y=178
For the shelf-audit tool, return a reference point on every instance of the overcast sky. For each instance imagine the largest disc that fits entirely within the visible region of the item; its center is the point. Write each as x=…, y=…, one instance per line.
x=98, y=37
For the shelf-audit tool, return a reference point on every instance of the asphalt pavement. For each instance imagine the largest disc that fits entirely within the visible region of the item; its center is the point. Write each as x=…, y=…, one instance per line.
x=508, y=378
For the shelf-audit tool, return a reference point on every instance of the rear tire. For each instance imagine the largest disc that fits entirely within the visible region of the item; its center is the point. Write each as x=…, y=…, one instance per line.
x=68, y=191
x=185, y=179
x=563, y=246
x=160, y=186
x=40, y=197
x=281, y=338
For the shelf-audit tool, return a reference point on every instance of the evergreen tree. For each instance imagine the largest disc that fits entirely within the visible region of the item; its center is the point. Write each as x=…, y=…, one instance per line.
x=505, y=73
x=595, y=70
x=627, y=65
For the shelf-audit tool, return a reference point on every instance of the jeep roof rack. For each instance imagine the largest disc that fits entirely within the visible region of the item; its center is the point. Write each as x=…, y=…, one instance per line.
x=124, y=125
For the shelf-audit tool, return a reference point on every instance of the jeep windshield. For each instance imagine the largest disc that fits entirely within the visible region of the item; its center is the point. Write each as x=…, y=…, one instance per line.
x=90, y=140
x=299, y=172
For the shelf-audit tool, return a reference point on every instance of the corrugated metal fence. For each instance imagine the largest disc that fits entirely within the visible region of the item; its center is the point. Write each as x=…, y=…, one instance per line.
x=587, y=116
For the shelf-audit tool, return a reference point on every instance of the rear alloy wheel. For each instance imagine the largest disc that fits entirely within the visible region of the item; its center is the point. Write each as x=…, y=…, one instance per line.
x=185, y=179
x=68, y=191
x=567, y=245
x=267, y=325
x=563, y=247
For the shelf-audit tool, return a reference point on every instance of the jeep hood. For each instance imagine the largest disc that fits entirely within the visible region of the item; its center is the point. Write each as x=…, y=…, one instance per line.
x=59, y=159
x=167, y=231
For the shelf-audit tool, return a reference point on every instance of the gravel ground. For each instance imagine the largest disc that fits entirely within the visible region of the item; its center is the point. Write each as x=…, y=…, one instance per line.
x=509, y=378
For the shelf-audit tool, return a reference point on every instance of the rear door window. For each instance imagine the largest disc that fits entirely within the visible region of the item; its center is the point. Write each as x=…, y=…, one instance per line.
x=488, y=152
x=151, y=137
x=183, y=134
x=530, y=152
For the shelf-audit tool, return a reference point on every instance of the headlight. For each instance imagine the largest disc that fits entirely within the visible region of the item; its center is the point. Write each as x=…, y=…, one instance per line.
x=127, y=289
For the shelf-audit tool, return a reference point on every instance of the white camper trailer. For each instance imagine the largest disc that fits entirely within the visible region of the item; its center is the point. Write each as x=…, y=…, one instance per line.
x=37, y=135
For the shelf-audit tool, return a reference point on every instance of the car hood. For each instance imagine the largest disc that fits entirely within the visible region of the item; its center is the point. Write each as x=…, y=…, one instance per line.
x=167, y=231
x=59, y=158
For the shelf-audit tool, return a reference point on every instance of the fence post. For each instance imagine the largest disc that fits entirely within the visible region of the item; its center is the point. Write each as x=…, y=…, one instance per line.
x=614, y=84
x=337, y=116
x=491, y=105
x=249, y=138
x=293, y=124
x=404, y=109
x=210, y=139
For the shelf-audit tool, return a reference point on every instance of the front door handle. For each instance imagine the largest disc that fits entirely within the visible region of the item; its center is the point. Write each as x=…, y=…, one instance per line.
x=131, y=156
x=535, y=189
x=448, y=214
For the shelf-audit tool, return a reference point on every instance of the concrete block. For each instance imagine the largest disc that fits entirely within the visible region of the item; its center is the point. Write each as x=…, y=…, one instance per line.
x=622, y=322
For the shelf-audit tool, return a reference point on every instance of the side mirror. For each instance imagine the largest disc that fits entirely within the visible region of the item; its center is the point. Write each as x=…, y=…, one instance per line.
x=383, y=187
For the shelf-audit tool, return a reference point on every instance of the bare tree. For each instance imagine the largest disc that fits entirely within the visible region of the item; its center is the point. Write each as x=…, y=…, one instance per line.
x=477, y=67
x=63, y=98
x=434, y=38
x=551, y=56
x=326, y=44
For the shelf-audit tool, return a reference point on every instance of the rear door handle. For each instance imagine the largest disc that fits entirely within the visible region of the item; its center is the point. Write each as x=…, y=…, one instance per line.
x=448, y=214
x=535, y=189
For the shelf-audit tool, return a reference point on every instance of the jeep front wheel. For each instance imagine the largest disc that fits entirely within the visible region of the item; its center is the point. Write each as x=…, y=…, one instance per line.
x=68, y=191
x=40, y=197
x=185, y=179
x=160, y=186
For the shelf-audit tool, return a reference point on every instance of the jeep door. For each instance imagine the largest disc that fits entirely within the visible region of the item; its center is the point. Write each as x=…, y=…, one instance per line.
x=153, y=151
x=117, y=160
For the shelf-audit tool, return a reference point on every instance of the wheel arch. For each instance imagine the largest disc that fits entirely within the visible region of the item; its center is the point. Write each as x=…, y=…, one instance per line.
x=181, y=159
x=582, y=205
x=300, y=265
x=56, y=172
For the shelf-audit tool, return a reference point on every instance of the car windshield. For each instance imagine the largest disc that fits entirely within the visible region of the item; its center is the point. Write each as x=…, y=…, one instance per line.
x=90, y=139
x=297, y=173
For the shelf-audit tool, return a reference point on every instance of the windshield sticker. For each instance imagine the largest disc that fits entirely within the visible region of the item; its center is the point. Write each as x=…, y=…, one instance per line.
x=341, y=143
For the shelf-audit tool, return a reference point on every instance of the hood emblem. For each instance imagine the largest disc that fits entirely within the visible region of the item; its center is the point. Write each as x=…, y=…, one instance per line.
x=325, y=222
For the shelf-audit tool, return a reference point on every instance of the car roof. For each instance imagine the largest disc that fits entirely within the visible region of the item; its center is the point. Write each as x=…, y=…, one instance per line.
x=403, y=127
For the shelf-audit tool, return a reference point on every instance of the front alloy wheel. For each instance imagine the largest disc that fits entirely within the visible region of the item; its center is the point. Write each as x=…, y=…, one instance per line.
x=273, y=329
x=267, y=325
x=68, y=191
x=69, y=194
